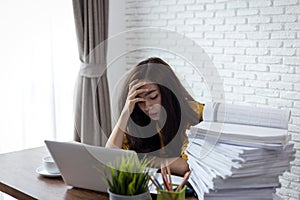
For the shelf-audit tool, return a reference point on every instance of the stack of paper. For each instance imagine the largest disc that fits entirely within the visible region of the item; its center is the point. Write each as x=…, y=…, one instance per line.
x=231, y=159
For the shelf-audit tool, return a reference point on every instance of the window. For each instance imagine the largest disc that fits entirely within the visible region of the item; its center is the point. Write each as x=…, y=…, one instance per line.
x=39, y=66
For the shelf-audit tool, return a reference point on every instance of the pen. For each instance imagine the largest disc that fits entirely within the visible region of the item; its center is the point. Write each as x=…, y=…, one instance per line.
x=157, y=183
x=154, y=183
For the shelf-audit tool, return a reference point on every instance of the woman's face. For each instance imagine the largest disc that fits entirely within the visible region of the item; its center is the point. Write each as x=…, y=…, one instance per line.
x=152, y=104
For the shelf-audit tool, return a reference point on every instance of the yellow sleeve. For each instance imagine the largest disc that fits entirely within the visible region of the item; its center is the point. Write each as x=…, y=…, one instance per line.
x=197, y=107
x=183, y=148
x=125, y=142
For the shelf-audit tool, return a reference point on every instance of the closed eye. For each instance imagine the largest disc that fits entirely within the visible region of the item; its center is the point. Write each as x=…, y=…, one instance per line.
x=154, y=97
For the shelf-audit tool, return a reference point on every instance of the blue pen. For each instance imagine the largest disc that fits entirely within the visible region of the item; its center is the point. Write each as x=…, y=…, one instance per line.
x=159, y=185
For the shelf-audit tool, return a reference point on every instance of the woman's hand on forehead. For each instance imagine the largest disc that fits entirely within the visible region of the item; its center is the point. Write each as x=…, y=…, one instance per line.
x=136, y=84
x=145, y=94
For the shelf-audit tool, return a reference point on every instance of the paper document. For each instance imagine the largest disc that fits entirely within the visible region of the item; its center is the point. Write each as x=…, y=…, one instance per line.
x=249, y=115
x=239, y=152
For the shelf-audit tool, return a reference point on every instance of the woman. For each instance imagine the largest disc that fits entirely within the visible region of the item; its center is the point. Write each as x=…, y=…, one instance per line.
x=156, y=111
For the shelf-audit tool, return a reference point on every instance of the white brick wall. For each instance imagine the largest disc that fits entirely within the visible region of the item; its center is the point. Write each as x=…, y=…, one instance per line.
x=255, y=45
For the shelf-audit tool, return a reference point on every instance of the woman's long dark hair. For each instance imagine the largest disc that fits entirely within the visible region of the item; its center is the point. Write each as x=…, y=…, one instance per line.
x=142, y=133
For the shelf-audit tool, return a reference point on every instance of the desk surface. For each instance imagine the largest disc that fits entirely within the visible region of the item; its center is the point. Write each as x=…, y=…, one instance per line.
x=18, y=178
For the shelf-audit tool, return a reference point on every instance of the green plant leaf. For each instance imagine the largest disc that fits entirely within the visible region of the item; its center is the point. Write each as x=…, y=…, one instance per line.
x=132, y=186
x=128, y=176
x=121, y=183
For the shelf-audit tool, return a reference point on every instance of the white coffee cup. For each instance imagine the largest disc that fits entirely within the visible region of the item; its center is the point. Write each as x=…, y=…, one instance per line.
x=50, y=165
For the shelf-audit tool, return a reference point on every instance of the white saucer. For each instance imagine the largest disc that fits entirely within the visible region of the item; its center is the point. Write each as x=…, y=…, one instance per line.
x=42, y=171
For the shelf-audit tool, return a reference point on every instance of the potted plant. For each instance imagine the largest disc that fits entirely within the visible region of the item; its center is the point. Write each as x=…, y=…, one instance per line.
x=128, y=178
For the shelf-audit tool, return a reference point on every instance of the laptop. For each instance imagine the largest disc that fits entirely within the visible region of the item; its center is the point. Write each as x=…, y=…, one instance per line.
x=79, y=163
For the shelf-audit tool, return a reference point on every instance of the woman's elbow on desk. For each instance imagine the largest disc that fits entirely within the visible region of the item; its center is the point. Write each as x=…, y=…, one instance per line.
x=178, y=165
x=112, y=145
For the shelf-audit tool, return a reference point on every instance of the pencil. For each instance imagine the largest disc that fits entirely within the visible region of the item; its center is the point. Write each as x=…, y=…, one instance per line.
x=164, y=178
x=169, y=175
x=184, y=180
x=166, y=184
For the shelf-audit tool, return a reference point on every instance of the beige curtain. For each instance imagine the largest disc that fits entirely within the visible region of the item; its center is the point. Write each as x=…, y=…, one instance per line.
x=92, y=103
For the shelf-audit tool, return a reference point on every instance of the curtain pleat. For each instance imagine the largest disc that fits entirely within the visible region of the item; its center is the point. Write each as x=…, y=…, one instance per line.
x=92, y=102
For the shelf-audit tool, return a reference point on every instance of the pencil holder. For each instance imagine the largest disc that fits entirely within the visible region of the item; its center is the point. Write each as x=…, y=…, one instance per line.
x=171, y=195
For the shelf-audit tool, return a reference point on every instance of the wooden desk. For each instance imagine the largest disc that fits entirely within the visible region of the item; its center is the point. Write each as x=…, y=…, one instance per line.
x=19, y=179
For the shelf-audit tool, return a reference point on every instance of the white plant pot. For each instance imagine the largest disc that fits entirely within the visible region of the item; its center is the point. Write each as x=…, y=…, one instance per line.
x=143, y=196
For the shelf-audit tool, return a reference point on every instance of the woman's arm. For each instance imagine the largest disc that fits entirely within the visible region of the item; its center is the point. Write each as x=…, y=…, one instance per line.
x=178, y=165
x=115, y=139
